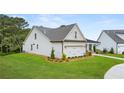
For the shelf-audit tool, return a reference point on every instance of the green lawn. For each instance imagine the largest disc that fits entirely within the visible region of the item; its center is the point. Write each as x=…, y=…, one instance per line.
x=116, y=55
x=27, y=66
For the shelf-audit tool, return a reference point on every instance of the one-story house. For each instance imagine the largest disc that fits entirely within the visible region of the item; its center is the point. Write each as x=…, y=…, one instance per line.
x=67, y=39
x=112, y=39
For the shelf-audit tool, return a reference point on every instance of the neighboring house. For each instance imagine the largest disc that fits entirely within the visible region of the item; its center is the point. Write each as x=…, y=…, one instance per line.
x=67, y=39
x=112, y=39
x=90, y=44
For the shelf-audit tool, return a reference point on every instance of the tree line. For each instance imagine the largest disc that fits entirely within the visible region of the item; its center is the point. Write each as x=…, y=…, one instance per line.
x=13, y=31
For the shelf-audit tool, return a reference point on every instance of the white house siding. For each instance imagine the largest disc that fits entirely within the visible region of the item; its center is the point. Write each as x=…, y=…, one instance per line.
x=71, y=34
x=106, y=42
x=58, y=49
x=72, y=49
x=44, y=46
x=120, y=48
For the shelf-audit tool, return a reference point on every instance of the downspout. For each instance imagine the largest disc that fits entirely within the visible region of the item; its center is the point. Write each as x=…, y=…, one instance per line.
x=62, y=47
x=86, y=45
x=116, y=48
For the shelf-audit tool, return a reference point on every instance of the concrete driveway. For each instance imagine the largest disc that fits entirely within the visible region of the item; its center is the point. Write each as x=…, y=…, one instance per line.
x=116, y=72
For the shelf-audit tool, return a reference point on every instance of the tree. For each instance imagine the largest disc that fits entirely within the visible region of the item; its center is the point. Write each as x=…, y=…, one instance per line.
x=20, y=23
x=13, y=30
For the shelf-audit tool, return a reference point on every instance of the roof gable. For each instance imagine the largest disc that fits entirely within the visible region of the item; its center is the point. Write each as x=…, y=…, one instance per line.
x=71, y=34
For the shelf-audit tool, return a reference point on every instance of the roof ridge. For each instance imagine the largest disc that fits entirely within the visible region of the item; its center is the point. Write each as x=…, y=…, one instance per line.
x=114, y=30
x=58, y=33
x=56, y=27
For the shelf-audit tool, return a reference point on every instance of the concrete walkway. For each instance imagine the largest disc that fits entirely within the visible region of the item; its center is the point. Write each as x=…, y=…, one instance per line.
x=116, y=72
x=108, y=56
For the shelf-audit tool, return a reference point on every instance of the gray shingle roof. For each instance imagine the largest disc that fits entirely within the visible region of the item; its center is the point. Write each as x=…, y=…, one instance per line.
x=56, y=34
x=91, y=41
x=114, y=36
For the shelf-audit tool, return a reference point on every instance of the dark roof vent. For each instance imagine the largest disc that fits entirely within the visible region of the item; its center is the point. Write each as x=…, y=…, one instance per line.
x=41, y=26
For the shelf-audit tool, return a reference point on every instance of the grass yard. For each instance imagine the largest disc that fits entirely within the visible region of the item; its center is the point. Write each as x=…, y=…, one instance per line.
x=28, y=66
x=116, y=55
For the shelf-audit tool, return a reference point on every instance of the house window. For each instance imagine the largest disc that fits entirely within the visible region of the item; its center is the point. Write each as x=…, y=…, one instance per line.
x=31, y=47
x=75, y=34
x=35, y=36
x=37, y=46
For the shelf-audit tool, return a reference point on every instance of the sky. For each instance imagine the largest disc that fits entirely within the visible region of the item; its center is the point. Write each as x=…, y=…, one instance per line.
x=91, y=25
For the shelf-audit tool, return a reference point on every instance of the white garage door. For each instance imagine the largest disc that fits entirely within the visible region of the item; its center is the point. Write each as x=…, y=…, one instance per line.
x=75, y=51
x=120, y=49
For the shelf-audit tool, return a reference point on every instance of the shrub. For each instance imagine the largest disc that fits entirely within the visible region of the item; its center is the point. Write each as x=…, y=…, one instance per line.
x=3, y=54
x=105, y=50
x=111, y=51
x=17, y=50
x=98, y=51
x=94, y=48
x=52, y=54
x=88, y=54
x=67, y=60
x=63, y=56
x=123, y=52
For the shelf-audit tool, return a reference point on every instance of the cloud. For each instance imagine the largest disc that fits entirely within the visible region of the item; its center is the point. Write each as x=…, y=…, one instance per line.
x=48, y=20
x=107, y=21
x=51, y=20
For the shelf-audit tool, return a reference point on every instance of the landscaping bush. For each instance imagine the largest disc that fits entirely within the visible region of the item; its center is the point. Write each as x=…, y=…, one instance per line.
x=63, y=56
x=105, y=51
x=88, y=54
x=111, y=51
x=52, y=54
